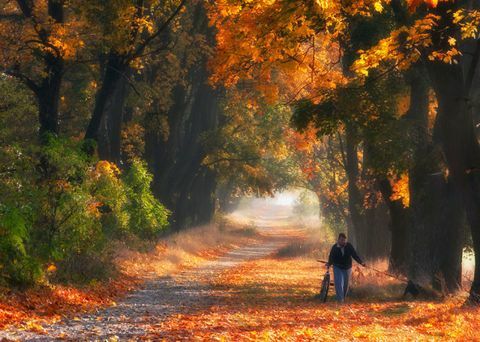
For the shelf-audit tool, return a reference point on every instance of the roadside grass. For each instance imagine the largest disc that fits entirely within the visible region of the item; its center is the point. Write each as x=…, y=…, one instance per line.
x=49, y=303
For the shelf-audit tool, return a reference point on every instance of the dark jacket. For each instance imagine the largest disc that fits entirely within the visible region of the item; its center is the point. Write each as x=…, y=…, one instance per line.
x=343, y=261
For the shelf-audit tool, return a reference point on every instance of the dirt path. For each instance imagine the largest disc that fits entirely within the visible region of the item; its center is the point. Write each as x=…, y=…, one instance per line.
x=184, y=293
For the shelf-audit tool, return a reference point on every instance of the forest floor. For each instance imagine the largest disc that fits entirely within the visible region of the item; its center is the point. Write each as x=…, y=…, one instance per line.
x=262, y=288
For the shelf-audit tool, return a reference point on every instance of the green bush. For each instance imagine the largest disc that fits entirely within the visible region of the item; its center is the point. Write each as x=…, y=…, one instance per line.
x=148, y=216
x=110, y=194
x=60, y=206
x=17, y=267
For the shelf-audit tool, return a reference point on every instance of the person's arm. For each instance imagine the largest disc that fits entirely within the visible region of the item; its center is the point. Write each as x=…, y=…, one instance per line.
x=355, y=256
x=330, y=259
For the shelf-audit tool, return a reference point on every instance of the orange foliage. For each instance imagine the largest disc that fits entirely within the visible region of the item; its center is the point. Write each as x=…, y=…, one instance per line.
x=273, y=300
x=401, y=190
x=106, y=168
x=272, y=46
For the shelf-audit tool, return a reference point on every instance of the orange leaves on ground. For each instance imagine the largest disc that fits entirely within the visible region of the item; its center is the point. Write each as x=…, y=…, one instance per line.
x=50, y=303
x=273, y=300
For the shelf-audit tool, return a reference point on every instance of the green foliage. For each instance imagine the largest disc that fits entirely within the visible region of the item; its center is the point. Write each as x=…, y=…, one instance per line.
x=17, y=267
x=249, y=152
x=60, y=206
x=323, y=116
x=110, y=199
x=64, y=225
x=18, y=121
x=147, y=216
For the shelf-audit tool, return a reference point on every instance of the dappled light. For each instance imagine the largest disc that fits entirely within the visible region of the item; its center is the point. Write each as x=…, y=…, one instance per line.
x=239, y=170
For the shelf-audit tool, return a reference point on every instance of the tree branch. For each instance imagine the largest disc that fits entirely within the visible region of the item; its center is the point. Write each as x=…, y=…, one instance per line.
x=231, y=160
x=163, y=27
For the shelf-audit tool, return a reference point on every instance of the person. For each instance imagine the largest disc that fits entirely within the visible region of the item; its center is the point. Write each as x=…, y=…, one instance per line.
x=340, y=258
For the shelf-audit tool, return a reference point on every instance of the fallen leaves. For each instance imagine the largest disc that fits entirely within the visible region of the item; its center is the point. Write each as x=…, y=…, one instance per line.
x=47, y=304
x=273, y=300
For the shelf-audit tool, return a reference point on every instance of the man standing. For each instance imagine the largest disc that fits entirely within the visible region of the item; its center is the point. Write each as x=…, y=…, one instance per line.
x=340, y=258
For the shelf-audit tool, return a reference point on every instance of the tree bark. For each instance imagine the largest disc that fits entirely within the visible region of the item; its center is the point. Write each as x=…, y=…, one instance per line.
x=455, y=131
x=113, y=72
x=110, y=140
x=355, y=198
x=47, y=91
x=436, y=216
x=399, y=227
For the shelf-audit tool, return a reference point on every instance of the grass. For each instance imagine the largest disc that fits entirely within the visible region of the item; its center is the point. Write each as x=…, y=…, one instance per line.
x=50, y=302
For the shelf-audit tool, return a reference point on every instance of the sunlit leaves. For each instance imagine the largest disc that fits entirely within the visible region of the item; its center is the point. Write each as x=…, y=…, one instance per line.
x=272, y=45
x=468, y=20
x=403, y=47
x=401, y=190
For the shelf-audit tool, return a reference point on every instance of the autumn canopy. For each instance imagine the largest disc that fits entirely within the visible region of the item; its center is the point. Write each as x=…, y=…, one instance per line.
x=127, y=120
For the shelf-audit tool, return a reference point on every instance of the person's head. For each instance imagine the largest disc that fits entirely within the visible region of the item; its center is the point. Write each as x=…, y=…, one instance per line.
x=342, y=239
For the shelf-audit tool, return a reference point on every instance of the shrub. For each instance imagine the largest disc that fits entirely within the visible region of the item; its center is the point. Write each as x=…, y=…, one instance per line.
x=148, y=216
x=110, y=198
x=59, y=206
x=17, y=267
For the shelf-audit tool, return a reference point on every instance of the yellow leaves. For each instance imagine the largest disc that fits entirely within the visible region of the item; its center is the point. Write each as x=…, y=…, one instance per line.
x=378, y=6
x=65, y=39
x=468, y=21
x=401, y=190
x=274, y=46
x=35, y=327
x=106, y=168
x=403, y=47
x=51, y=268
x=448, y=56
x=324, y=4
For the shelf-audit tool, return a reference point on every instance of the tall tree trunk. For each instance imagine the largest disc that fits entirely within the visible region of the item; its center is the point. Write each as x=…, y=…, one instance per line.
x=113, y=72
x=47, y=91
x=109, y=147
x=355, y=198
x=455, y=131
x=436, y=215
x=399, y=226
x=48, y=95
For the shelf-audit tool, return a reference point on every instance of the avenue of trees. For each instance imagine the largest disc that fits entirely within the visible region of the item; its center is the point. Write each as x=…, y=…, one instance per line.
x=388, y=88
x=122, y=118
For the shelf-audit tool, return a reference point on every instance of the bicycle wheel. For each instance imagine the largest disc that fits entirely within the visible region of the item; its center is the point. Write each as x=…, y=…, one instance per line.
x=325, y=286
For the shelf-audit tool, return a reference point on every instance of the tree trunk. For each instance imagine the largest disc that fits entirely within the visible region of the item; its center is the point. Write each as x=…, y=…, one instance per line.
x=455, y=131
x=435, y=211
x=113, y=72
x=47, y=91
x=180, y=179
x=399, y=226
x=48, y=95
x=110, y=140
x=355, y=198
